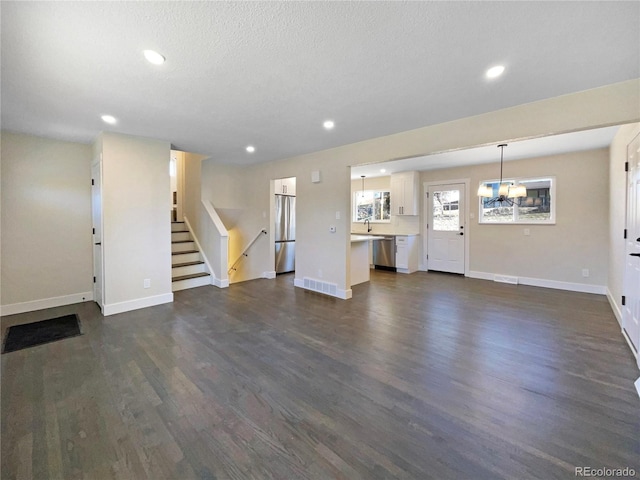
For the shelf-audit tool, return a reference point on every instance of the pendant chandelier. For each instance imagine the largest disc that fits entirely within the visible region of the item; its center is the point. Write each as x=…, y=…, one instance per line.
x=507, y=191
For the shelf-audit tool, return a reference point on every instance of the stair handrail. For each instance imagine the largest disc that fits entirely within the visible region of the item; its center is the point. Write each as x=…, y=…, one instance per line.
x=244, y=252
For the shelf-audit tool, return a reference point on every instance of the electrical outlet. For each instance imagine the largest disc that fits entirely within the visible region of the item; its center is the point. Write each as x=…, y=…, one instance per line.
x=147, y=283
x=585, y=272
x=337, y=215
x=320, y=273
x=527, y=232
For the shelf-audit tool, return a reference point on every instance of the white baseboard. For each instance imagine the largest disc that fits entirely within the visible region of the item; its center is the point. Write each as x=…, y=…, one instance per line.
x=631, y=347
x=541, y=282
x=121, y=307
x=219, y=283
x=637, y=384
x=270, y=275
x=480, y=275
x=573, y=287
x=34, y=305
x=340, y=293
x=614, y=307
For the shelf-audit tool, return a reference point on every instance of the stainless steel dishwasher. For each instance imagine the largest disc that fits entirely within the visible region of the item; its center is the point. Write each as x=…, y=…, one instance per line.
x=384, y=253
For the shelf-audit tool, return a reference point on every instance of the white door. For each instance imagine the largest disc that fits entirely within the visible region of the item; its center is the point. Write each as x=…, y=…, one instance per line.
x=96, y=214
x=631, y=287
x=445, y=221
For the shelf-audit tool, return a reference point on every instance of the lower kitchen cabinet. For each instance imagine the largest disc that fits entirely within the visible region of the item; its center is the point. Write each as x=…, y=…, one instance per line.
x=406, y=253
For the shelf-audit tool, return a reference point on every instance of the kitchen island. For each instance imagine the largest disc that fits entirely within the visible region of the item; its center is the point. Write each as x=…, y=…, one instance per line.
x=360, y=255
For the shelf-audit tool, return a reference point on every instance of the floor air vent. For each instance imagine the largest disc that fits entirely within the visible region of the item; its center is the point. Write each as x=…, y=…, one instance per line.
x=322, y=287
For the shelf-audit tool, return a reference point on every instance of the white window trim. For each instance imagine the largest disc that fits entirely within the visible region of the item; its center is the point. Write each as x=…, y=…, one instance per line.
x=552, y=193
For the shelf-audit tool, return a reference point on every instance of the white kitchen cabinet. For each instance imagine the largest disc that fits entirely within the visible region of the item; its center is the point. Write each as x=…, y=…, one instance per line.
x=406, y=253
x=404, y=193
x=285, y=186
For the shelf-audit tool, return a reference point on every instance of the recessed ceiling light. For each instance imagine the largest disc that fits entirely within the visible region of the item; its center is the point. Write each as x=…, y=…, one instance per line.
x=110, y=119
x=328, y=124
x=496, y=71
x=154, y=57
x=382, y=170
x=251, y=149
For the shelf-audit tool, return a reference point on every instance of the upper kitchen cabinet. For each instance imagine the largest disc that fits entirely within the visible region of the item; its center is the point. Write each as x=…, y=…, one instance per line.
x=404, y=193
x=285, y=186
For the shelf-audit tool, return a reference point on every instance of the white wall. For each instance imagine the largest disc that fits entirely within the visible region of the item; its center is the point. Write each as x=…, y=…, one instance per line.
x=46, y=223
x=556, y=253
x=398, y=224
x=319, y=252
x=236, y=197
x=617, y=220
x=137, y=223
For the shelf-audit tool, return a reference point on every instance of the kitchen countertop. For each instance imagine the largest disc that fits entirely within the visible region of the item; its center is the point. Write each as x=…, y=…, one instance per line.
x=379, y=236
x=364, y=238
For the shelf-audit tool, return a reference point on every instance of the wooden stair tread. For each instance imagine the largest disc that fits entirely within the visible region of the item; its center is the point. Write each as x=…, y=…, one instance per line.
x=186, y=251
x=177, y=222
x=187, y=277
x=187, y=264
x=181, y=241
x=180, y=231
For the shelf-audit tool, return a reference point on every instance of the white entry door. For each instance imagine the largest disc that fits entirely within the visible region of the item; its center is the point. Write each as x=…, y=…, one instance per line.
x=631, y=287
x=446, y=214
x=96, y=214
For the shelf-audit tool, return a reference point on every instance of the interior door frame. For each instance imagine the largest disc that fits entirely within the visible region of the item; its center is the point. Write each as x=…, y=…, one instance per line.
x=634, y=343
x=97, y=163
x=425, y=216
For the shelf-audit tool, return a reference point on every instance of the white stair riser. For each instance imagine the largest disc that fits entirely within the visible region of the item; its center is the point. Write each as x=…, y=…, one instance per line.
x=187, y=270
x=191, y=283
x=183, y=247
x=185, y=257
x=176, y=236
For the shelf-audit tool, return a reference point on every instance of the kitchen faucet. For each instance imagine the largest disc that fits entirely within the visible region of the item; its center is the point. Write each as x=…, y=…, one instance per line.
x=368, y=224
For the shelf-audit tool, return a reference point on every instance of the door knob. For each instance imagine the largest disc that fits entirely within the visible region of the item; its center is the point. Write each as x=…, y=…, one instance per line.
x=461, y=233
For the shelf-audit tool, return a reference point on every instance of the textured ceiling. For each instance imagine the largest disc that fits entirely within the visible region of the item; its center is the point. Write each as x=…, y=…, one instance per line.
x=269, y=73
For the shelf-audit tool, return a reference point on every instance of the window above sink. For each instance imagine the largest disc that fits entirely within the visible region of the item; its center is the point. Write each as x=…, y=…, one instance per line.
x=372, y=205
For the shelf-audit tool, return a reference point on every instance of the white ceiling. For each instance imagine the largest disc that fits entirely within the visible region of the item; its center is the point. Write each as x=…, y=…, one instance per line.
x=530, y=148
x=269, y=73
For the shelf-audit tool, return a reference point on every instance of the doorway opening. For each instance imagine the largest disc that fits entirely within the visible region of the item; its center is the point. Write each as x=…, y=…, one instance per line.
x=285, y=225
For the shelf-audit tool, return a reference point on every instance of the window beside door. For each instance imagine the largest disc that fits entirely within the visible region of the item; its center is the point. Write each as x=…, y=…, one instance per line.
x=538, y=207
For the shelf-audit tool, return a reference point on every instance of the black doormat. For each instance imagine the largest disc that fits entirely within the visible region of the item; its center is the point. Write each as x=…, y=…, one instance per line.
x=37, y=333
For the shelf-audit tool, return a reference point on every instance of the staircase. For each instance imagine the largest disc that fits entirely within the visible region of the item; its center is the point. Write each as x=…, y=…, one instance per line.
x=187, y=268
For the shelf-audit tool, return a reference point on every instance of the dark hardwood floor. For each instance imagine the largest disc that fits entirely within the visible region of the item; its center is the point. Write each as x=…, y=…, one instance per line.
x=419, y=376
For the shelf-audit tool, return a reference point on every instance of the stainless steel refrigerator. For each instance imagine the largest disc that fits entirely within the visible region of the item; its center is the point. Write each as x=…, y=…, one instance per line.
x=285, y=232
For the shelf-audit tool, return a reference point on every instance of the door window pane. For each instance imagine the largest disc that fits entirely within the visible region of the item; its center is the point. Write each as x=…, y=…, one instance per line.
x=446, y=213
